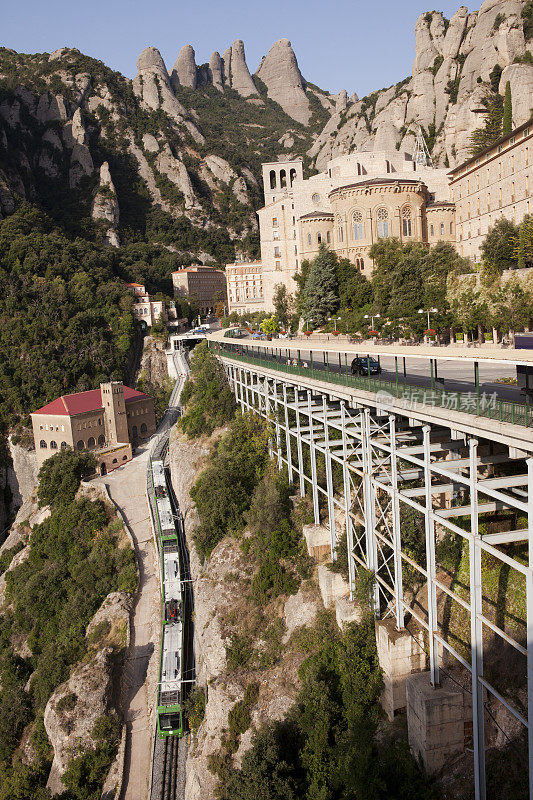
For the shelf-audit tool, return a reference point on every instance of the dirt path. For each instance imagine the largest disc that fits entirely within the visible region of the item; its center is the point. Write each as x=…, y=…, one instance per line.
x=126, y=487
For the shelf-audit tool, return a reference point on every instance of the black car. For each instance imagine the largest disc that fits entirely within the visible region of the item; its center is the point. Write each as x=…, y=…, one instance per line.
x=365, y=366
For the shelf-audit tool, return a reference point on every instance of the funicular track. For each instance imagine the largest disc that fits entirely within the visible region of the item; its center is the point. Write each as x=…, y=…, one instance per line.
x=170, y=753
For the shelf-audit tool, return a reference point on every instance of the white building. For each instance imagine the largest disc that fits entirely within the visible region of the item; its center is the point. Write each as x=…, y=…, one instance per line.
x=360, y=198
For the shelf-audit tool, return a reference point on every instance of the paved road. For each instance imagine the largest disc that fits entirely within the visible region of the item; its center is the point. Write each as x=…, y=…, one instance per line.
x=126, y=486
x=458, y=377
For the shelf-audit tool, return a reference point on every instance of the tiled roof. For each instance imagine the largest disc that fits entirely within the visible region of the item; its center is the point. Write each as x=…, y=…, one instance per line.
x=316, y=215
x=135, y=284
x=376, y=182
x=82, y=402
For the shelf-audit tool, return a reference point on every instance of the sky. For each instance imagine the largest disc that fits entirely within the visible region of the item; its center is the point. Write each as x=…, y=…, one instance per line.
x=340, y=44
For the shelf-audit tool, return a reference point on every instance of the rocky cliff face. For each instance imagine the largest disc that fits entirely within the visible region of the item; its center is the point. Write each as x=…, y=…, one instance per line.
x=187, y=146
x=219, y=605
x=279, y=71
x=458, y=62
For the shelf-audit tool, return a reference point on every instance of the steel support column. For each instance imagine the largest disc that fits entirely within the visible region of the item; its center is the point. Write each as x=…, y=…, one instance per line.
x=312, y=449
x=347, y=501
x=370, y=510
x=476, y=631
x=287, y=434
x=430, y=564
x=396, y=532
x=299, y=443
x=329, y=483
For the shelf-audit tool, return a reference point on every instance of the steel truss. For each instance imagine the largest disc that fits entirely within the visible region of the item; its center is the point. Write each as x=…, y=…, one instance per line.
x=380, y=454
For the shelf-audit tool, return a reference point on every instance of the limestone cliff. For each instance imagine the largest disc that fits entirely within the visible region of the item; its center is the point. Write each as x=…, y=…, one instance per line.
x=279, y=71
x=455, y=66
x=105, y=205
x=220, y=606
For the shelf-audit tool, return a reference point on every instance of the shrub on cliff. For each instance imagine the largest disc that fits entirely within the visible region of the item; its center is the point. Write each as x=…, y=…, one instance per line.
x=328, y=746
x=60, y=476
x=223, y=491
x=206, y=395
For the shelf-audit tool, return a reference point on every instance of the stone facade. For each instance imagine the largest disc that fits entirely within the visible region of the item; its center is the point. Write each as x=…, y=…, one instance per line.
x=205, y=286
x=105, y=420
x=146, y=310
x=245, y=287
x=496, y=183
x=359, y=198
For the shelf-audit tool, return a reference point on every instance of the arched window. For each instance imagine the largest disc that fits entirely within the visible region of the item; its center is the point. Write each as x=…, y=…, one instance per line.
x=64, y=445
x=319, y=238
x=124, y=458
x=134, y=432
x=357, y=225
x=407, y=228
x=272, y=179
x=283, y=179
x=383, y=223
x=53, y=445
x=442, y=229
x=292, y=176
x=101, y=439
x=91, y=442
x=143, y=428
x=80, y=445
x=358, y=168
x=42, y=444
x=115, y=460
x=361, y=264
x=328, y=237
x=308, y=238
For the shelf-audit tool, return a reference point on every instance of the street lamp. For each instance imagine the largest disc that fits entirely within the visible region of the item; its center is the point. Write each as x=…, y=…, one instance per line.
x=428, y=311
x=335, y=320
x=307, y=323
x=372, y=317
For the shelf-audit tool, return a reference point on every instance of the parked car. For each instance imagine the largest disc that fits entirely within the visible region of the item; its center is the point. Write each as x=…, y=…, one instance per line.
x=365, y=366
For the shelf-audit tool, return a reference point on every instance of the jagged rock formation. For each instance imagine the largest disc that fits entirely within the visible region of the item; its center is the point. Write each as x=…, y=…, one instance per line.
x=88, y=694
x=280, y=73
x=235, y=70
x=452, y=72
x=105, y=205
x=215, y=71
x=170, y=150
x=184, y=72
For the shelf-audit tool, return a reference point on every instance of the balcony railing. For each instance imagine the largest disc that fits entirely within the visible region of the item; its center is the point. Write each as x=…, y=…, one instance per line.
x=478, y=404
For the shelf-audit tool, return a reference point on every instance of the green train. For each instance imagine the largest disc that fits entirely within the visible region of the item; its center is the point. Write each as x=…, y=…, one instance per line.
x=170, y=685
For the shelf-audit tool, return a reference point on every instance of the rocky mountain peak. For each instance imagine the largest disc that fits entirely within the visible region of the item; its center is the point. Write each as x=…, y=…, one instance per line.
x=184, y=72
x=151, y=59
x=236, y=72
x=215, y=71
x=280, y=73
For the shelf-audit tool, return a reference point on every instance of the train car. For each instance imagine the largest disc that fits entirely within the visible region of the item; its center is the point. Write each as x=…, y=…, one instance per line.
x=169, y=715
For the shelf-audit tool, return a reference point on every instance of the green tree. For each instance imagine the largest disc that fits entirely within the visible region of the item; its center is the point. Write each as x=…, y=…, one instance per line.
x=513, y=306
x=208, y=400
x=524, y=244
x=499, y=246
x=354, y=290
x=283, y=304
x=492, y=129
x=507, y=124
x=61, y=474
x=386, y=254
x=320, y=292
x=270, y=325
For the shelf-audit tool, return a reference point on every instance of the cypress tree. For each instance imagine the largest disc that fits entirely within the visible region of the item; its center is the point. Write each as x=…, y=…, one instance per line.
x=320, y=292
x=507, y=111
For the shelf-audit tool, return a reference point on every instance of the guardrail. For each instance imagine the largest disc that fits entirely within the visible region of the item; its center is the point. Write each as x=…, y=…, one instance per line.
x=480, y=405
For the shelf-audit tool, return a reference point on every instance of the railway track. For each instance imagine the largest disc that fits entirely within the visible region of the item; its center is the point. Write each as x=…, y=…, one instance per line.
x=170, y=769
